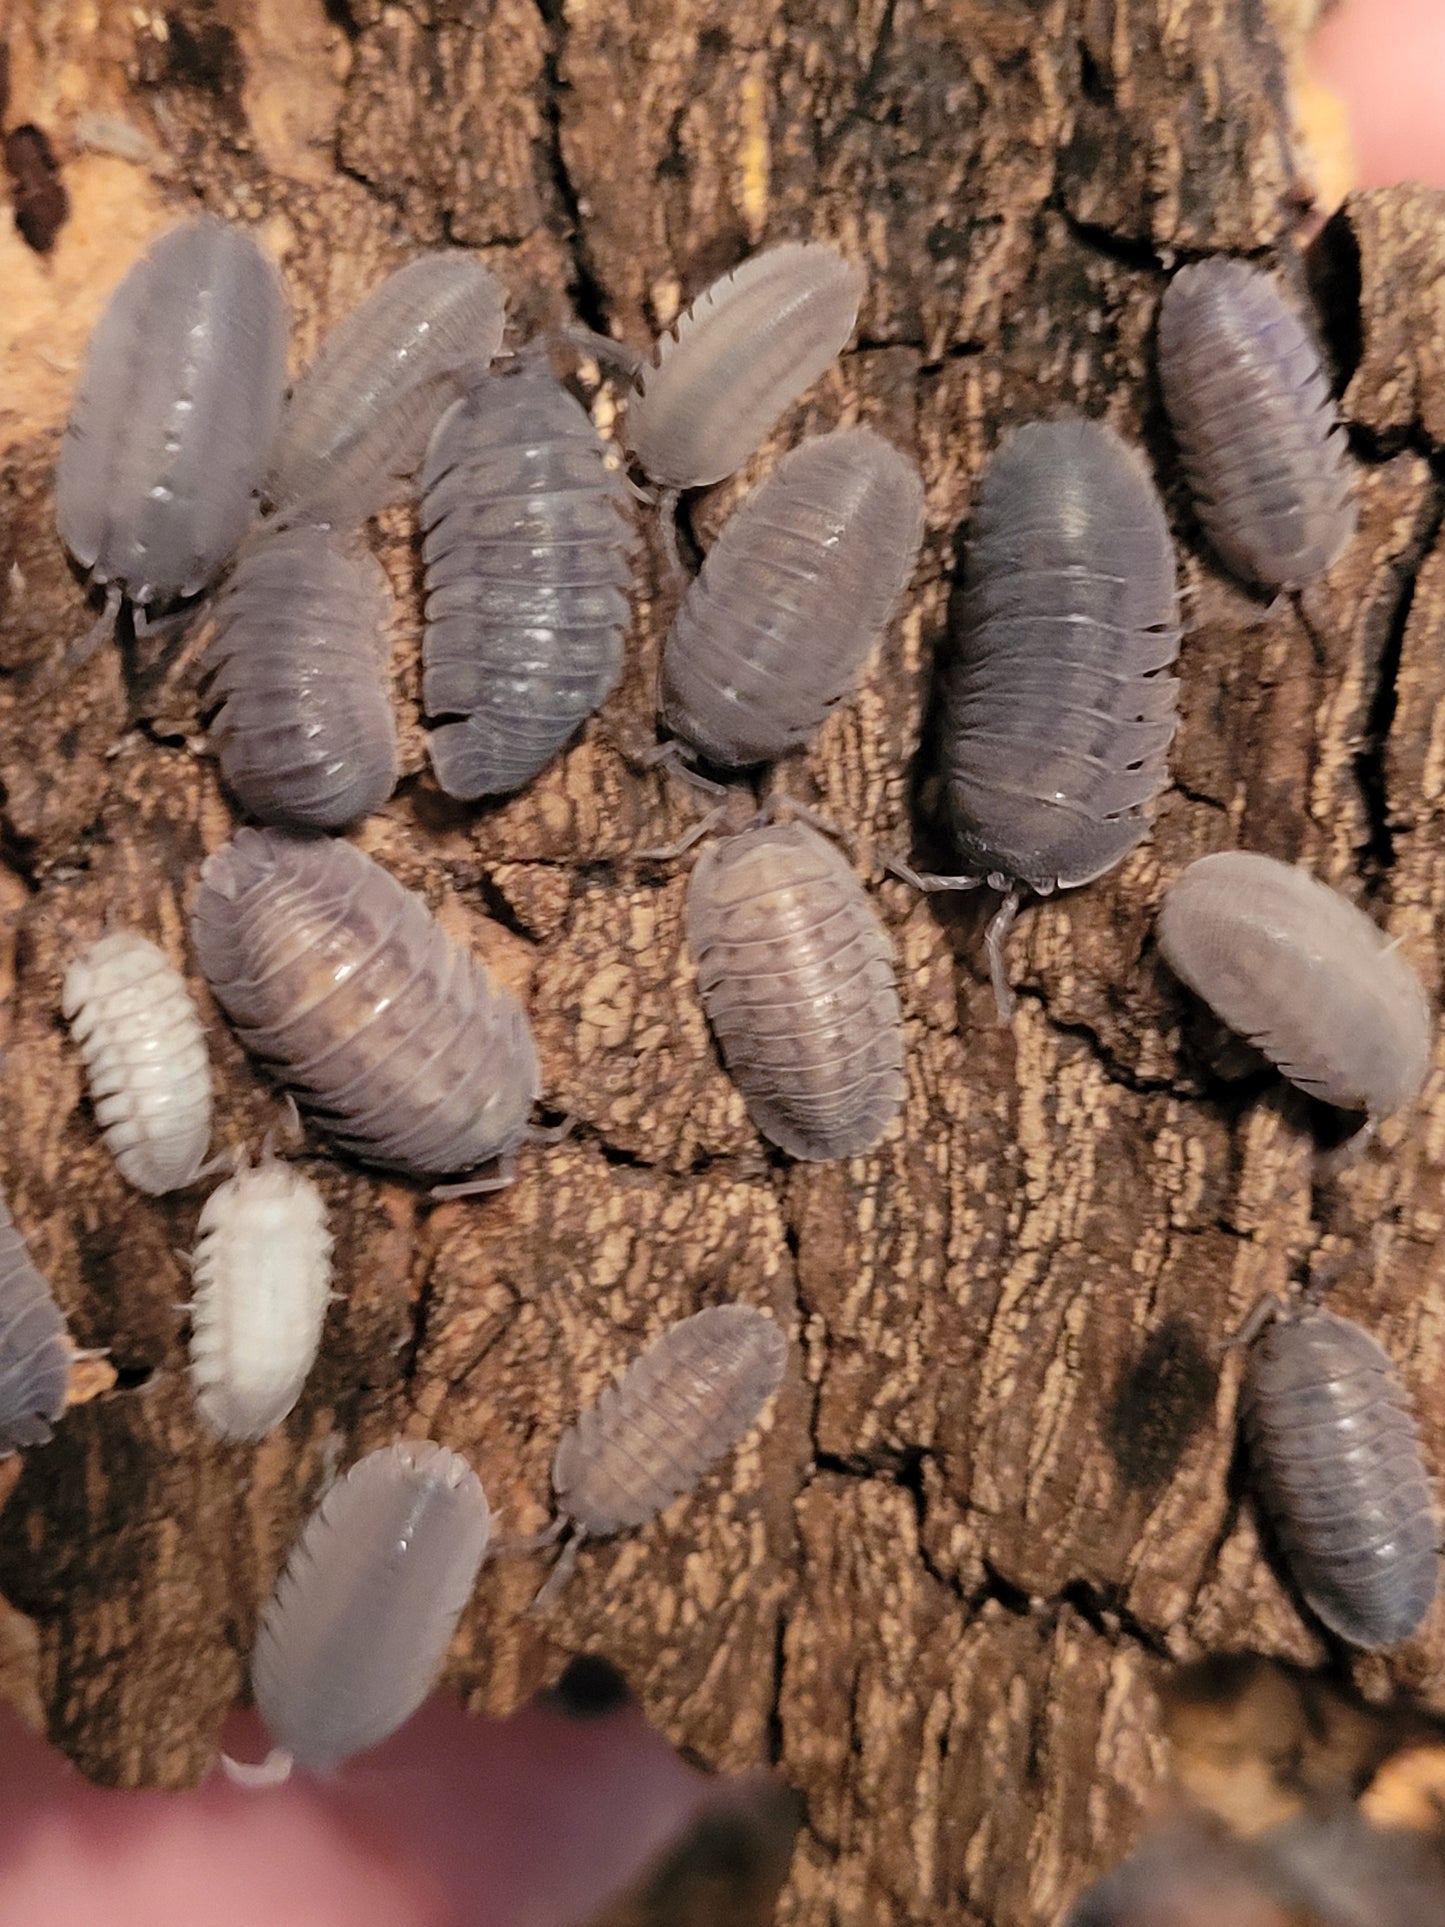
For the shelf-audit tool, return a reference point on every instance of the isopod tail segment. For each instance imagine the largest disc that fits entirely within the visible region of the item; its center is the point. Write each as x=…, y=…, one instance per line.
x=999, y=924
x=274, y=1770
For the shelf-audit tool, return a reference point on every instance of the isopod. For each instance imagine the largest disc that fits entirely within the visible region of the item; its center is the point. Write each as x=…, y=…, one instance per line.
x=1337, y=1461
x=358, y=421
x=339, y=979
x=797, y=977
x=749, y=345
x=174, y=423
x=262, y=1271
x=34, y=1346
x=800, y=585
x=678, y=1409
x=1058, y=708
x=145, y=1056
x=1263, y=447
x=298, y=664
x=527, y=573
x=1311, y=982
x=353, y=1637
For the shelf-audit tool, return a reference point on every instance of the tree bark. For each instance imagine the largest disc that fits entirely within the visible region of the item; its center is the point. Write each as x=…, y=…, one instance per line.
x=999, y=1490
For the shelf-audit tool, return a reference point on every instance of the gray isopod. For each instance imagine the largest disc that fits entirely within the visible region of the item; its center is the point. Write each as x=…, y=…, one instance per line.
x=748, y=346
x=392, y=1037
x=797, y=977
x=358, y=421
x=174, y=423
x=527, y=573
x=800, y=585
x=298, y=664
x=35, y=1348
x=1263, y=448
x=1337, y=1461
x=1058, y=708
x=1293, y=966
x=353, y=1637
x=684, y=1404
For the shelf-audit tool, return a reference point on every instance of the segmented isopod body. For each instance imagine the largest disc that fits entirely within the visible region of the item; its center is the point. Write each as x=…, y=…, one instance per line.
x=391, y=1036
x=355, y=1633
x=526, y=547
x=174, y=424
x=748, y=347
x=145, y=1056
x=801, y=584
x=1337, y=1462
x=1293, y=966
x=359, y=419
x=34, y=1346
x=796, y=975
x=298, y=663
x=262, y=1273
x=1263, y=448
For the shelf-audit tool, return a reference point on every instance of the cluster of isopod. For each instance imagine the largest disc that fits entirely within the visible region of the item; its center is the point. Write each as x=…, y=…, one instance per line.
x=185, y=458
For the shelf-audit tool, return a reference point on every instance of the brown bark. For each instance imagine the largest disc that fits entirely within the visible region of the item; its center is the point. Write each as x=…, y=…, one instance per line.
x=998, y=1489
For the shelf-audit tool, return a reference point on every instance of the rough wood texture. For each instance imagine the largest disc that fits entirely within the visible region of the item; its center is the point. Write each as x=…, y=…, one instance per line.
x=999, y=1483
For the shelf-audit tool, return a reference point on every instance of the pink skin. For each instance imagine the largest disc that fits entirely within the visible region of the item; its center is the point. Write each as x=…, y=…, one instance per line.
x=1386, y=59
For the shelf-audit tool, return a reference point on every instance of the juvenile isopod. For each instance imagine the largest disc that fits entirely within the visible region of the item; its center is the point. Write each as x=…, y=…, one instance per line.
x=1058, y=705
x=262, y=1273
x=797, y=977
x=391, y=1036
x=145, y=1056
x=298, y=664
x=749, y=345
x=683, y=1405
x=527, y=573
x=353, y=1637
x=1311, y=982
x=174, y=423
x=1263, y=448
x=34, y=1346
x=1336, y=1459
x=358, y=421
x=800, y=585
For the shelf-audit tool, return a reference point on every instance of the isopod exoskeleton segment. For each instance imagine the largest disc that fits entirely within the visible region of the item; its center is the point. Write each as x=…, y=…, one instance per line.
x=35, y=1350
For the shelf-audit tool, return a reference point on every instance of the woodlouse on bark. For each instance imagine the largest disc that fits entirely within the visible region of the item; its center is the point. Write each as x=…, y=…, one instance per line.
x=677, y=1410
x=298, y=663
x=262, y=1272
x=1263, y=448
x=1336, y=1458
x=526, y=543
x=1058, y=708
x=358, y=421
x=796, y=973
x=392, y=1038
x=145, y=1056
x=801, y=583
x=353, y=1637
x=175, y=420
x=1311, y=982
x=35, y=1350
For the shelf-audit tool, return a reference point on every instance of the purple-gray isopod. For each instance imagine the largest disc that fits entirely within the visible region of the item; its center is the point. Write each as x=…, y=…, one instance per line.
x=749, y=346
x=34, y=1346
x=1058, y=705
x=174, y=423
x=358, y=421
x=1336, y=1459
x=353, y=1637
x=799, y=586
x=526, y=544
x=393, y=1038
x=1263, y=448
x=1311, y=982
x=298, y=663
x=797, y=977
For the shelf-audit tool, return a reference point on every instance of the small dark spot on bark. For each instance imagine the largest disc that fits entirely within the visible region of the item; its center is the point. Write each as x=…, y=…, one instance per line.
x=590, y=1689
x=203, y=54
x=946, y=243
x=713, y=40
x=41, y=202
x=1332, y=267
x=1093, y=81
x=1159, y=1402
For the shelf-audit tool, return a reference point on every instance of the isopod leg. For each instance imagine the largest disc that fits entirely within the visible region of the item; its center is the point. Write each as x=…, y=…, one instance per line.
x=1271, y=1306
x=995, y=937
x=926, y=880
x=101, y=630
x=667, y=519
x=1329, y=1164
x=664, y=853
x=560, y=1573
x=533, y=1541
x=505, y=1174
x=615, y=355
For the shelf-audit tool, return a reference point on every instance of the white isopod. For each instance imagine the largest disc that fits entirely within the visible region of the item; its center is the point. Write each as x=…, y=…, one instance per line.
x=145, y=1056
x=262, y=1283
